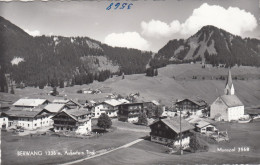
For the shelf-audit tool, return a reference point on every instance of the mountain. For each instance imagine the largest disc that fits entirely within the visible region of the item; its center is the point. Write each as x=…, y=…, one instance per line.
x=210, y=44
x=43, y=59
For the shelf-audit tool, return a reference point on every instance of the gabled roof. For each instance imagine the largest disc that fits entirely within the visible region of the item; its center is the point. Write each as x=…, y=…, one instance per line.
x=54, y=108
x=62, y=101
x=202, y=124
x=231, y=100
x=113, y=102
x=197, y=101
x=76, y=112
x=29, y=102
x=17, y=113
x=174, y=124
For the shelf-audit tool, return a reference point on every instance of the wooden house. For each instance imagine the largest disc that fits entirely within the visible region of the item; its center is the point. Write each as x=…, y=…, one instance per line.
x=171, y=131
x=129, y=112
x=192, y=106
x=205, y=127
x=78, y=121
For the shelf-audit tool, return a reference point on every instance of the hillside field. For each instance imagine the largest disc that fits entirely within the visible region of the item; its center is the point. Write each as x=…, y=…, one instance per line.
x=164, y=87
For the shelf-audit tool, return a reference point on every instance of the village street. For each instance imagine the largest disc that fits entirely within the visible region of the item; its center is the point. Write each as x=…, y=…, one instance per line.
x=103, y=153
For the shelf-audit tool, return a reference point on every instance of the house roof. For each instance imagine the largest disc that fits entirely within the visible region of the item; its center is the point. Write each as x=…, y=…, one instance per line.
x=29, y=102
x=61, y=101
x=76, y=112
x=124, y=101
x=231, y=100
x=174, y=124
x=54, y=108
x=113, y=102
x=155, y=102
x=197, y=101
x=17, y=113
x=202, y=124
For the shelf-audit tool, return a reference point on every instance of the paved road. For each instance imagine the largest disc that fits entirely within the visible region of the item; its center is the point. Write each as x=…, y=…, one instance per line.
x=97, y=155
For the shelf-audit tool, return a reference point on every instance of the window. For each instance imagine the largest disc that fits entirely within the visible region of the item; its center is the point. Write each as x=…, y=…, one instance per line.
x=4, y=119
x=28, y=125
x=35, y=124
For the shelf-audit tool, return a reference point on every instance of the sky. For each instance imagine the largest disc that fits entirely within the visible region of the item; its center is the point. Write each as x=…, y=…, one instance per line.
x=147, y=25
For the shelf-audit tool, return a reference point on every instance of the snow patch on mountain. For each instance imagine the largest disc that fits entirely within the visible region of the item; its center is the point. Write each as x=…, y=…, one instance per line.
x=17, y=60
x=93, y=45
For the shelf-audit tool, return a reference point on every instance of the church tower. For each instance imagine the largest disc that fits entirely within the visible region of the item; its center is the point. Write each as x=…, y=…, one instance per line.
x=229, y=89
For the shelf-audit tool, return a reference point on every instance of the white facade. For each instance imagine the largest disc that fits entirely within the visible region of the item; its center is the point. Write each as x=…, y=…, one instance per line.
x=98, y=110
x=4, y=121
x=85, y=128
x=104, y=108
x=185, y=141
x=226, y=113
x=33, y=123
x=235, y=113
x=132, y=119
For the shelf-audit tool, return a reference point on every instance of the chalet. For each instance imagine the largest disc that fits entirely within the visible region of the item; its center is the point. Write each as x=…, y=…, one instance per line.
x=110, y=107
x=205, y=127
x=27, y=119
x=30, y=103
x=193, y=106
x=129, y=112
x=78, y=121
x=168, y=131
x=70, y=103
x=228, y=106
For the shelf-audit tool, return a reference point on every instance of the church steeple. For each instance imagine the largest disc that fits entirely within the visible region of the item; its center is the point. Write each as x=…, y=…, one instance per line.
x=229, y=89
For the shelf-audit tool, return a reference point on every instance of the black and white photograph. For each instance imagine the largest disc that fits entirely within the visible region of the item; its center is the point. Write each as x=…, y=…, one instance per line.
x=129, y=82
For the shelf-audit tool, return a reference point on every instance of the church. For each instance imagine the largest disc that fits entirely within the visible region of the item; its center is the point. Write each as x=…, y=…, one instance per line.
x=228, y=106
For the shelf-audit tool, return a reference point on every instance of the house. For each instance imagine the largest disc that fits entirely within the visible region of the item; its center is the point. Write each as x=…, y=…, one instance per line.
x=193, y=106
x=27, y=119
x=254, y=113
x=168, y=131
x=129, y=112
x=228, y=106
x=205, y=127
x=30, y=103
x=110, y=107
x=70, y=103
x=78, y=121
x=3, y=121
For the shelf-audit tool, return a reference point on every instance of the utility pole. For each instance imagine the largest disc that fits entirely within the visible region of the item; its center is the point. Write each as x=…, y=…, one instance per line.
x=180, y=135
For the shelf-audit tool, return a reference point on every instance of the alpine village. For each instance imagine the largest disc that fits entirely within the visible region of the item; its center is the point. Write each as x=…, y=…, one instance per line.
x=174, y=106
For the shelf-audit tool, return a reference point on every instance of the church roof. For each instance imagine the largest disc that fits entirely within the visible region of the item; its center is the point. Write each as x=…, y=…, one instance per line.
x=231, y=100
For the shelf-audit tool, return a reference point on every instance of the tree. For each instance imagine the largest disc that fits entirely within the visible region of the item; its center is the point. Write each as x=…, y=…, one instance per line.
x=12, y=90
x=54, y=92
x=156, y=72
x=104, y=121
x=158, y=111
x=61, y=83
x=142, y=119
